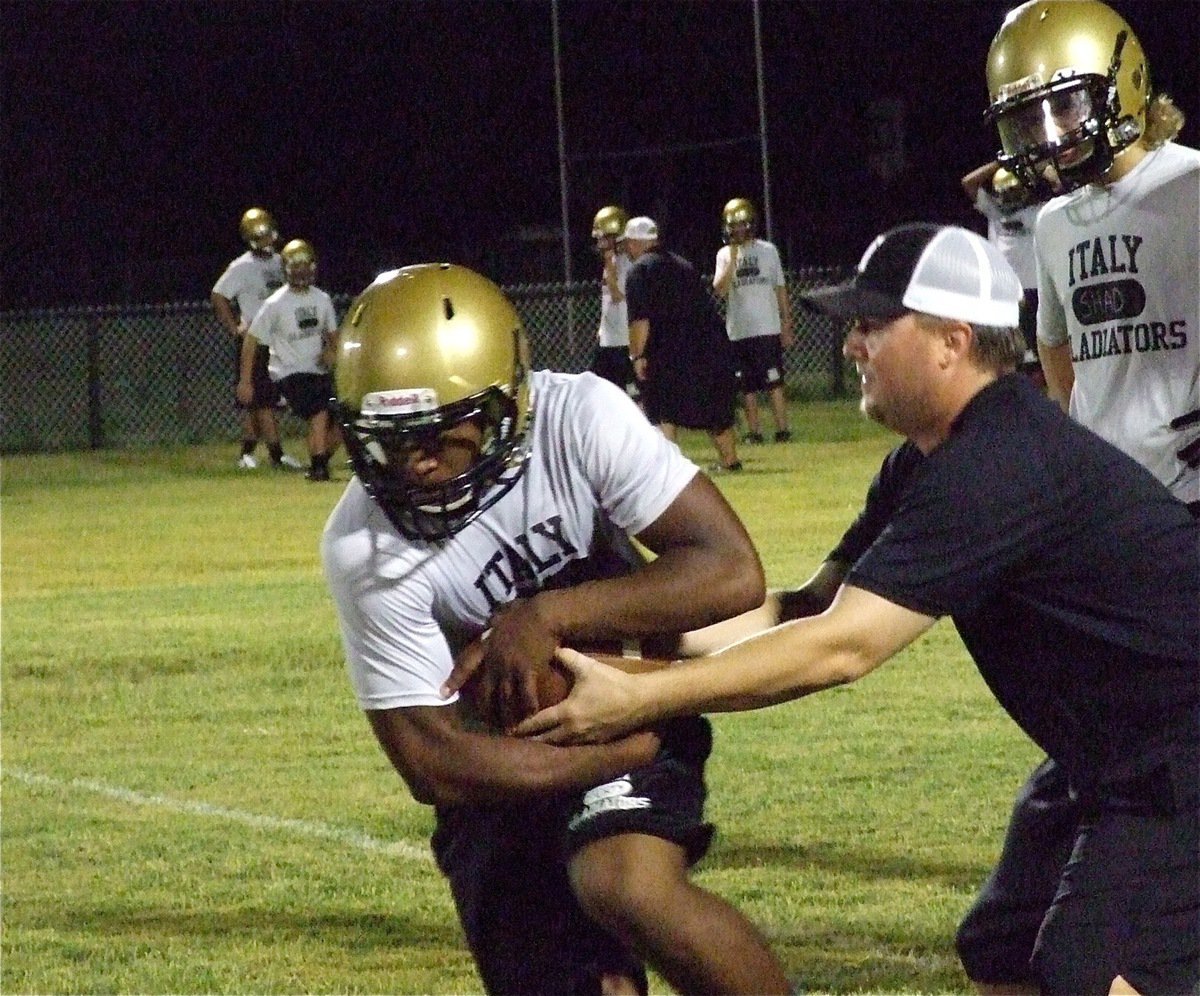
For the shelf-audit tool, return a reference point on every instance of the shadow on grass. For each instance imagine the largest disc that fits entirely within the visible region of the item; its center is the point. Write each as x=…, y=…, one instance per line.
x=864, y=863
x=361, y=932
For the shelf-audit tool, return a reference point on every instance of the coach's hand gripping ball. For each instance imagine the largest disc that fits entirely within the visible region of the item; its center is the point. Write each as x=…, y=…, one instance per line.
x=553, y=680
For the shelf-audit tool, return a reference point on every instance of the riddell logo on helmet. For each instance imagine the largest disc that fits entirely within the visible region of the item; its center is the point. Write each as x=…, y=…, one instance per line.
x=420, y=399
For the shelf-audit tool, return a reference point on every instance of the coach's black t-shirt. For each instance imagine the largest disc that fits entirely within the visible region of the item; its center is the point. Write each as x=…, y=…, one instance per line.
x=1072, y=576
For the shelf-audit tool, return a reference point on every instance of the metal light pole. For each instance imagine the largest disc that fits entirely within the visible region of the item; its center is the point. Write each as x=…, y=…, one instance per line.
x=762, y=121
x=562, y=146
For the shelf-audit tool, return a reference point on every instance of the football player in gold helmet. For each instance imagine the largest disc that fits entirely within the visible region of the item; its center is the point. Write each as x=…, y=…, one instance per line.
x=1070, y=95
x=758, y=316
x=611, y=360
x=1117, y=265
x=236, y=298
x=298, y=327
x=492, y=499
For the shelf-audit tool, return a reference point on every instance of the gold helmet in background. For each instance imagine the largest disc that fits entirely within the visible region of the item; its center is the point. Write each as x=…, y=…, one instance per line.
x=738, y=213
x=1068, y=89
x=258, y=230
x=609, y=223
x=299, y=263
x=420, y=350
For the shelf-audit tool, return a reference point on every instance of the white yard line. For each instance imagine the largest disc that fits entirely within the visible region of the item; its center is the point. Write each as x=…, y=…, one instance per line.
x=305, y=828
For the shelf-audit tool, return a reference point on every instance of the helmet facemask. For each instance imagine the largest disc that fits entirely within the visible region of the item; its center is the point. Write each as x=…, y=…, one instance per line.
x=380, y=447
x=1058, y=136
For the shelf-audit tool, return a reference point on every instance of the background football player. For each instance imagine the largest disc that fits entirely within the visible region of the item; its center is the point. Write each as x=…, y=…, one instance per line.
x=611, y=360
x=758, y=315
x=236, y=297
x=298, y=327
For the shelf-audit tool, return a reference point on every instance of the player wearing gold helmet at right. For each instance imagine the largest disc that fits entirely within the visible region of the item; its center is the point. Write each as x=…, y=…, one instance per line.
x=1118, y=307
x=1118, y=248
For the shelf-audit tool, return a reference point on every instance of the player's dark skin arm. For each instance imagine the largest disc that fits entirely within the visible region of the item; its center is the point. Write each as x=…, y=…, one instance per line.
x=445, y=764
x=706, y=570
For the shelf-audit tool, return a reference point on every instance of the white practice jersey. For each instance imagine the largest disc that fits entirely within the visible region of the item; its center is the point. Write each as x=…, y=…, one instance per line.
x=295, y=324
x=597, y=473
x=752, y=308
x=1012, y=233
x=1119, y=280
x=614, y=315
x=248, y=281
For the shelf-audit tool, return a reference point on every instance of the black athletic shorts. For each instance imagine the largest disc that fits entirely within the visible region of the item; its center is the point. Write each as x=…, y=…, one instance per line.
x=307, y=393
x=613, y=364
x=759, y=362
x=703, y=396
x=507, y=867
x=1086, y=891
x=266, y=392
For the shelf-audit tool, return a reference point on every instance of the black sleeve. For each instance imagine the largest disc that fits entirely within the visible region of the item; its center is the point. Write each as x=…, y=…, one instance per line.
x=883, y=496
x=636, y=294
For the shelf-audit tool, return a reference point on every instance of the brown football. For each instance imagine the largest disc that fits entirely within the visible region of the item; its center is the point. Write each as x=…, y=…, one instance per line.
x=554, y=680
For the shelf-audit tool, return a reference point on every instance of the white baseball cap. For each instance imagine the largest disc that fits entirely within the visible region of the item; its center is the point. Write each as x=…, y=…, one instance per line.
x=940, y=270
x=641, y=227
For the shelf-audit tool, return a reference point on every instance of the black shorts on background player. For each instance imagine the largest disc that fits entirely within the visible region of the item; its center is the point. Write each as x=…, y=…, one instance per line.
x=759, y=362
x=266, y=391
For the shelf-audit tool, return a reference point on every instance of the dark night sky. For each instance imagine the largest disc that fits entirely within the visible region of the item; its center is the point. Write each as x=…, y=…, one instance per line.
x=136, y=133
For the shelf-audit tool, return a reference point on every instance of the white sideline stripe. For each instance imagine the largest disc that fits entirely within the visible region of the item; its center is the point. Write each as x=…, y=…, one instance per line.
x=305, y=828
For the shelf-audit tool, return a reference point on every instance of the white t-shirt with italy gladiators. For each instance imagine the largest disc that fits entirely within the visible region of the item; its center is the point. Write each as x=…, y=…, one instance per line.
x=294, y=324
x=597, y=473
x=1119, y=279
x=752, y=309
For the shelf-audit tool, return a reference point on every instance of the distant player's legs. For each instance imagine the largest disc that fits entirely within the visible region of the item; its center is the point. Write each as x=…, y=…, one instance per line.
x=726, y=446
x=637, y=887
x=779, y=409
x=753, y=422
x=265, y=426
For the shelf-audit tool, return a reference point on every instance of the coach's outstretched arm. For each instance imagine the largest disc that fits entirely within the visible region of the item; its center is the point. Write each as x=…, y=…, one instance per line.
x=854, y=636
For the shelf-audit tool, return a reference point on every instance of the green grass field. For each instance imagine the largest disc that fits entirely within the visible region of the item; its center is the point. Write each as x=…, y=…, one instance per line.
x=193, y=804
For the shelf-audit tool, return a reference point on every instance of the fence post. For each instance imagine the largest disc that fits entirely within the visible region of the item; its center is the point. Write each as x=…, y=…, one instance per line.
x=95, y=414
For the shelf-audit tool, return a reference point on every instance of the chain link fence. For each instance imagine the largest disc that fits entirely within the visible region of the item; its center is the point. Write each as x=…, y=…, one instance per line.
x=123, y=377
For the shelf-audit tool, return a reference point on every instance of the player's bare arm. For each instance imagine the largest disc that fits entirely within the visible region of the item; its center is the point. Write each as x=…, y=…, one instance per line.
x=444, y=763
x=1059, y=372
x=706, y=570
x=225, y=314
x=245, y=386
x=726, y=265
x=854, y=636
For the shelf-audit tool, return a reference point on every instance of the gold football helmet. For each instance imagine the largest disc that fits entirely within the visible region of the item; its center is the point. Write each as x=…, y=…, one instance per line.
x=737, y=219
x=258, y=230
x=608, y=228
x=421, y=349
x=299, y=263
x=609, y=220
x=1069, y=87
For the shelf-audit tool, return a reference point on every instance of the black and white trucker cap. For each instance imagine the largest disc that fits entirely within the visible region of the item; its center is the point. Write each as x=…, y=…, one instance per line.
x=940, y=270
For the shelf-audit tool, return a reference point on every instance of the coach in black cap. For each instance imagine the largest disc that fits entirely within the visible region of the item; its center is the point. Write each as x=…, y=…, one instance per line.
x=1073, y=578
